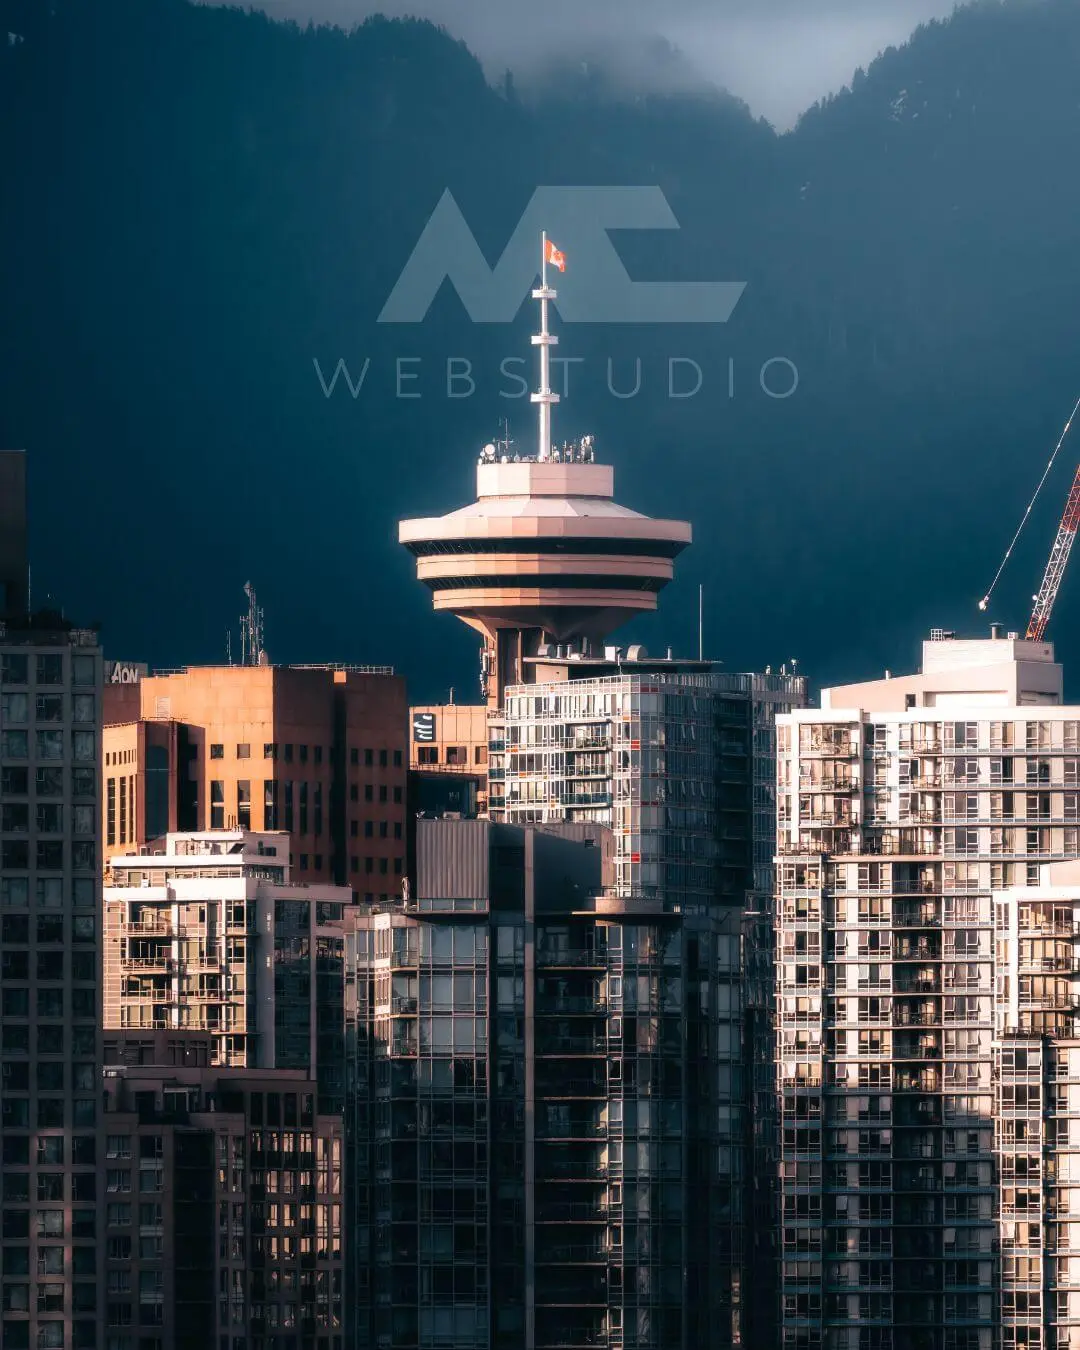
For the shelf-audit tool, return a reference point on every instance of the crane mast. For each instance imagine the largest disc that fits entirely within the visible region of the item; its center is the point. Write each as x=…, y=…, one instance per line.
x=1059, y=554
x=1055, y=568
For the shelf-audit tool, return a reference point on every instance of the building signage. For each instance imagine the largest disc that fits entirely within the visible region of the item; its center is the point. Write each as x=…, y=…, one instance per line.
x=125, y=672
x=423, y=727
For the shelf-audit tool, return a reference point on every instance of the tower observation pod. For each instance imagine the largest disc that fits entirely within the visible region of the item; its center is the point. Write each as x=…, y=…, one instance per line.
x=544, y=557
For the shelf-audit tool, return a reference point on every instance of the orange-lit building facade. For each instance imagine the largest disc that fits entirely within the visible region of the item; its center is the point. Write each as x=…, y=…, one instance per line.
x=448, y=751
x=320, y=752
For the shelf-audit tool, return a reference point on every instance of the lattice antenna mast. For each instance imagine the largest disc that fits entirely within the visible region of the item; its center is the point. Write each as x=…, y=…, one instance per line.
x=1055, y=568
x=252, y=631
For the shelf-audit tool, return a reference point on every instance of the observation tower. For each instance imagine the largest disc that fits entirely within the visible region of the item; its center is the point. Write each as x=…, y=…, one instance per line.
x=545, y=560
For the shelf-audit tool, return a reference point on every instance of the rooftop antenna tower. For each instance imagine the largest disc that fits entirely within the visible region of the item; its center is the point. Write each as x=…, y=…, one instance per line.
x=252, y=631
x=544, y=398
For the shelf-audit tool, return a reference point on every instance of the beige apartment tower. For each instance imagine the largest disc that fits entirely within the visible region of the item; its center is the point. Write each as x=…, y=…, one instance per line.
x=926, y=980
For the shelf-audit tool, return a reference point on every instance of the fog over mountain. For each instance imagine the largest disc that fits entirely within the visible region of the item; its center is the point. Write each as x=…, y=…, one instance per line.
x=780, y=56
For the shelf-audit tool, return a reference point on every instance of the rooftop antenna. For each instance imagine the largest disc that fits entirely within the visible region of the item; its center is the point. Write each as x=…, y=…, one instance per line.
x=701, y=623
x=228, y=645
x=252, y=631
x=544, y=398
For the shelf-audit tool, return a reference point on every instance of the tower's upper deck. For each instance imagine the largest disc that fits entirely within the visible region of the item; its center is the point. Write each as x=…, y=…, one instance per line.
x=545, y=545
x=544, y=551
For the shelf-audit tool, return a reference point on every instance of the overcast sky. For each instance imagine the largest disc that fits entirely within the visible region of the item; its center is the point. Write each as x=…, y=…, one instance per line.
x=779, y=55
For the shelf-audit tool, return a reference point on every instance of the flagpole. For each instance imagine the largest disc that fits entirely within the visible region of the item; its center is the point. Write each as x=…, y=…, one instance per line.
x=544, y=398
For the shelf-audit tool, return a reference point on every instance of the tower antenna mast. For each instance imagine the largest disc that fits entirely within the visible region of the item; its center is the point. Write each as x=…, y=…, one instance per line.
x=544, y=398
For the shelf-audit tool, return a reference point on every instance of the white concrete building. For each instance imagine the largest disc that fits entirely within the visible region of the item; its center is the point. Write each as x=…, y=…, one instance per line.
x=914, y=814
x=210, y=935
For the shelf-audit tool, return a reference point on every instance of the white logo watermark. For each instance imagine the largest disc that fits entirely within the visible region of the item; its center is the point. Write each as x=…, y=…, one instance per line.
x=598, y=289
x=679, y=377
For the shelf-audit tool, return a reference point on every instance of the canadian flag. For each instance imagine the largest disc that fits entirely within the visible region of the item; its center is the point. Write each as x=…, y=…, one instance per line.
x=553, y=256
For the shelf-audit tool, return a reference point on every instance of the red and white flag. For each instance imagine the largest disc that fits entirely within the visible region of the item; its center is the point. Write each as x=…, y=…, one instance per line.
x=553, y=256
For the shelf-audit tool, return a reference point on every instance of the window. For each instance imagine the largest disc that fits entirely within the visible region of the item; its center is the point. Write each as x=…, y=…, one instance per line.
x=14, y=709
x=50, y=669
x=217, y=752
x=243, y=751
x=14, y=744
x=217, y=805
x=50, y=744
x=243, y=804
x=397, y=759
x=369, y=758
x=13, y=669
x=50, y=1150
x=270, y=751
x=83, y=746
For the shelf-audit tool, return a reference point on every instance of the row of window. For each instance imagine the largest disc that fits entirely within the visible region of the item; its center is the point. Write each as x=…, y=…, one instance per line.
x=48, y=669
x=380, y=865
x=48, y=818
x=49, y=1076
x=285, y=808
x=457, y=755
x=50, y=1186
x=50, y=1114
x=48, y=782
x=49, y=966
x=49, y=1002
x=48, y=855
x=49, y=893
x=271, y=751
x=48, y=745
x=15, y=708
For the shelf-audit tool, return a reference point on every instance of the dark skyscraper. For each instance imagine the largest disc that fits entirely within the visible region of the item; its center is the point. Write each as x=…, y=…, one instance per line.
x=14, y=567
x=50, y=949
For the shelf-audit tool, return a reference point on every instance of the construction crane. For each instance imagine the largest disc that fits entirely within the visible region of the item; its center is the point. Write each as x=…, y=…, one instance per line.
x=1059, y=554
x=1055, y=568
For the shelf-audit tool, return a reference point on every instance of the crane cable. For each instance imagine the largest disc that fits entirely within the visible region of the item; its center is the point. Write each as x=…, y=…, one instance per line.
x=1024, y=519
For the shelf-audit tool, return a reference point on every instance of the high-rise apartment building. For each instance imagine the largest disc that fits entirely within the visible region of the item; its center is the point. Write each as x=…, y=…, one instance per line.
x=222, y=1208
x=487, y=1117
x=677, y=760
x=1037, y=1109
x=922, y=994
x=50, y=951
x=320, y=752
x=206, y=933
